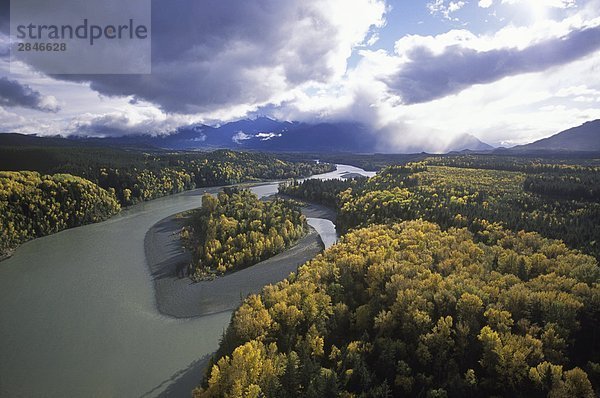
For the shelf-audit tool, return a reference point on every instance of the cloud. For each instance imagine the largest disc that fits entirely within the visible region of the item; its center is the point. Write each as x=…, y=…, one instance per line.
x=240, y=136
x=506, y=111
x=216, y=55
x=224, y=60
x=440, y=7
x=485, y=3
x=125, y=122
x=267, y=136
x=516, y=110
x=4, y=46
x=427, y=76
x=13, y=94
x=546, y=3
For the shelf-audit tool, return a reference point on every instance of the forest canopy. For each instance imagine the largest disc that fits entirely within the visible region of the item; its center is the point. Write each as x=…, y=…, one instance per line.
x=410, y=309
x=100, y=180
x=460, y=301
x=139, y=176
x=557, y=200
x=34, y=205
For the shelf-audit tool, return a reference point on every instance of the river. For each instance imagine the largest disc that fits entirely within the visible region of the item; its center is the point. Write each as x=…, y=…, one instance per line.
x=79, y=315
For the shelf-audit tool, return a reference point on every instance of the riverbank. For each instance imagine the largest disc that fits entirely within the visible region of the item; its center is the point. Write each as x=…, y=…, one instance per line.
x=80, y=317
x=183, y=298
x=6, y=254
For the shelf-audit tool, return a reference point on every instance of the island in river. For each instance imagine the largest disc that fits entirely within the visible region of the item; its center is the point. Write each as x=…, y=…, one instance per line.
x=184, y=298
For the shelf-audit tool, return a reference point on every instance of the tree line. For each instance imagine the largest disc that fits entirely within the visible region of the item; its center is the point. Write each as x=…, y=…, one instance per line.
x=72, y=186
x=583, y=186
x=557, y=205
x=137, y=175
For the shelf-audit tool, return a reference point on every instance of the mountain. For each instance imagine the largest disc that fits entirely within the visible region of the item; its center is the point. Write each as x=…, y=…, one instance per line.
x=468, y=142
x=265, y=134
x=584, y=138
x=260, y=134
x=303, y=137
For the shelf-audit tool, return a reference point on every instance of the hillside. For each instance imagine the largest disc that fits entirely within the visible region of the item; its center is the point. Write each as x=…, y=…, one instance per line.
x=584, y=138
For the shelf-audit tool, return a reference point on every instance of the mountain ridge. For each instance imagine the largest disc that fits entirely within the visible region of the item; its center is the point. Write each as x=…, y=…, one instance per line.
x=582, y=138
x=269, y=135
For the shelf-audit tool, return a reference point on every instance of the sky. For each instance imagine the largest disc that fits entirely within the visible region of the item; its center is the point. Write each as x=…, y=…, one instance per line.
x=416, y=73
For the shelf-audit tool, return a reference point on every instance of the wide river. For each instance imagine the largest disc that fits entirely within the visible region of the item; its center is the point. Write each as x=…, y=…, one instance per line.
x=78, y=314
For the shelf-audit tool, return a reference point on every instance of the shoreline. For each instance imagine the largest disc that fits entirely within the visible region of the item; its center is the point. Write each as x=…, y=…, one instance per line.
x=88, y=292
x=312, y=209
x=182, y=298
x=8, y=254
x=246, y=184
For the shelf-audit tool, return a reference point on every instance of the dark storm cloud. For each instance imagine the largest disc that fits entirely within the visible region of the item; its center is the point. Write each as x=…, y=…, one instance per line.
x=217, y=53
x=105, y=126
x=428, y=76
x=13, y=93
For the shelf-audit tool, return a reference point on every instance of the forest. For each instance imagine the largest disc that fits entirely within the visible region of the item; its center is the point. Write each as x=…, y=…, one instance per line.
x=557, y=200
x=325, y=192
x=368, y=162
x=449, y=281
x=137, y=175
x=34, y=205
x=409, y=309
x=235, y=230
x=68, y=186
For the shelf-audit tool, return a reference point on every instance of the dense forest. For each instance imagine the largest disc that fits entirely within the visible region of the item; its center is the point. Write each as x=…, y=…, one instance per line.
x=138, y=176
x=411, y=310
x=325, y=192
x=83, y=184
x=368, y=162
x=526, y=164
x=235, y=229
x=557, y=200
x=459, y=301
x=33, y=205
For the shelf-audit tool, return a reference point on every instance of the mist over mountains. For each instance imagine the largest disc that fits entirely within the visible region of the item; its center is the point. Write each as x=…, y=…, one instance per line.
x=266, y=134
x=270, y=135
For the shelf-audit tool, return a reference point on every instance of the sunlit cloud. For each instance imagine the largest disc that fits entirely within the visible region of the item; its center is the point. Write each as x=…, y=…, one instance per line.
x=508, y=82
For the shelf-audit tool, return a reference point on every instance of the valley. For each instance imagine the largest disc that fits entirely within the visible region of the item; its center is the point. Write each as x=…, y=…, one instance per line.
x=80, y=314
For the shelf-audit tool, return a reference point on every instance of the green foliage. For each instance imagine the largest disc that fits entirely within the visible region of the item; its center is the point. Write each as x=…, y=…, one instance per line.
x=559, y=204
x=138, y=176
x=162, y=175
x=324, y=192
x=32, y=205
x=526, y=164
x=411, y=310
x=235, y=229
x=371, y=162
x=579, y=186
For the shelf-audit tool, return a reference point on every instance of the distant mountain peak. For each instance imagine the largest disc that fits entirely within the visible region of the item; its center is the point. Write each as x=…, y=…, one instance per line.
x=468, y=142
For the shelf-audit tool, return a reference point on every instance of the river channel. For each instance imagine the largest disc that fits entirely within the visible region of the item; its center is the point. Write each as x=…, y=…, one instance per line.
x=79, y=316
